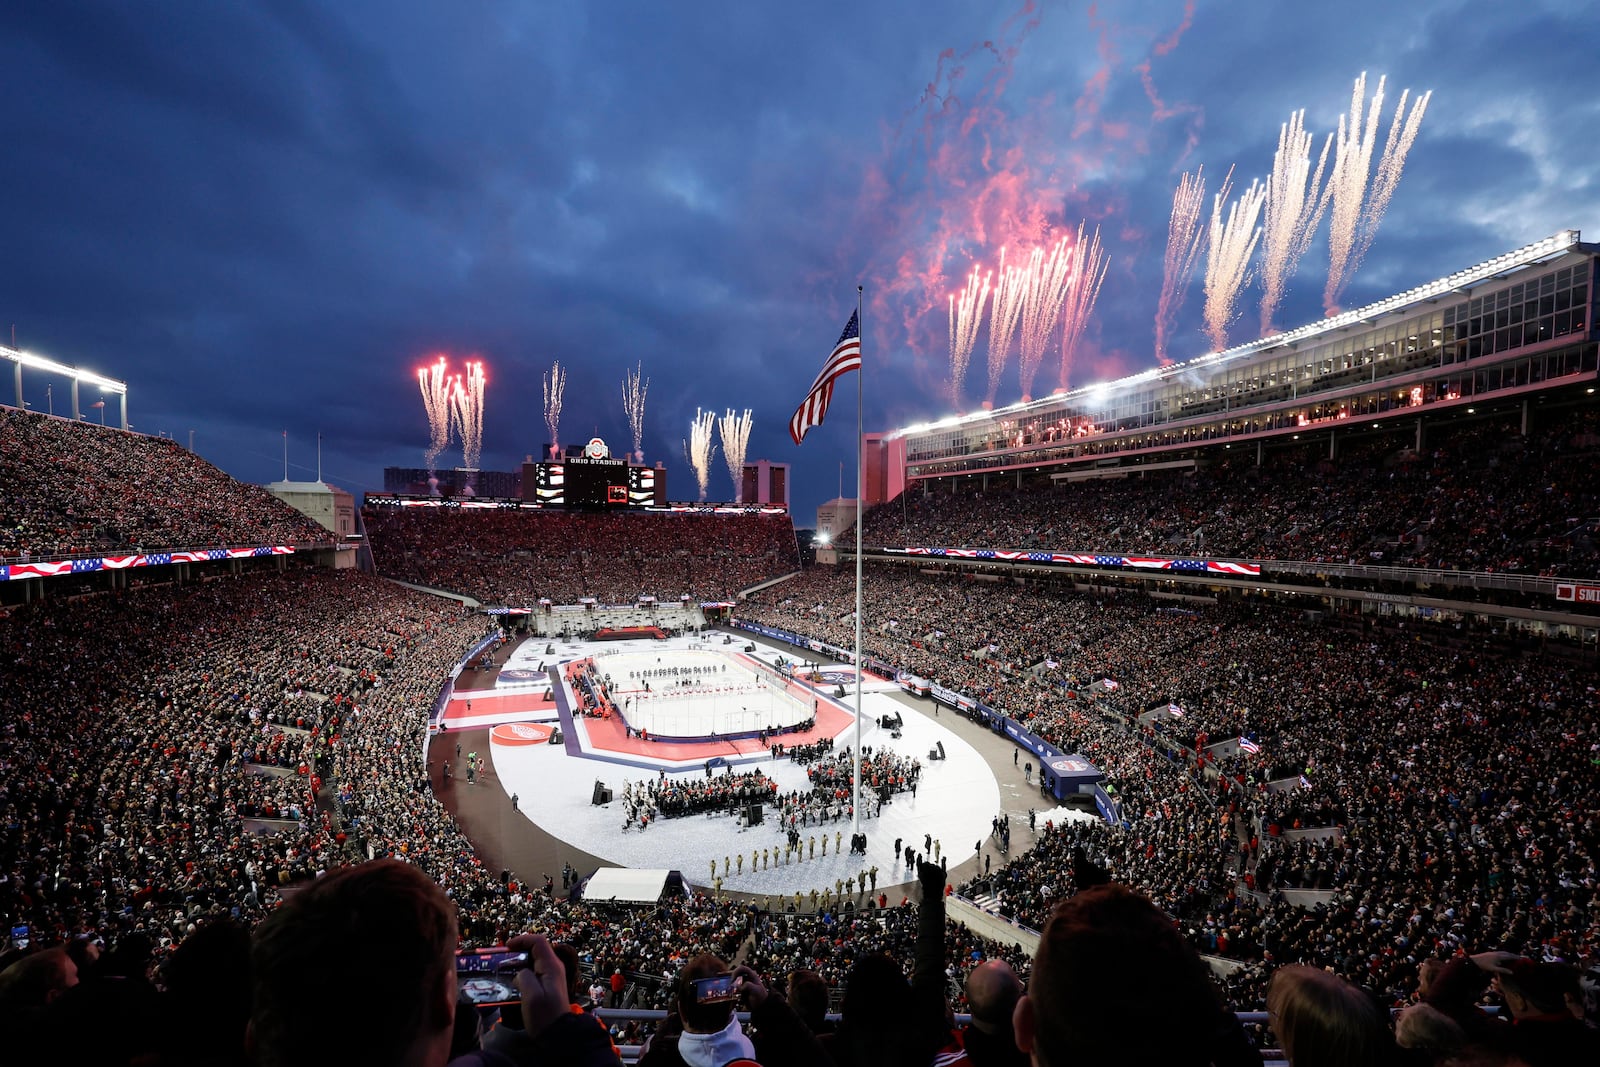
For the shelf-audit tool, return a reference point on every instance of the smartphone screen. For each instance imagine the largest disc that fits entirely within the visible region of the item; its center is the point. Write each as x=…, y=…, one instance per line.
x=714, y=990
x=487, y=977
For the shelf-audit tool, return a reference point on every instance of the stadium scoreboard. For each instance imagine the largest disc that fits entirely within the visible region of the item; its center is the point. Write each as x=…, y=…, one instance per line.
x=593, y=480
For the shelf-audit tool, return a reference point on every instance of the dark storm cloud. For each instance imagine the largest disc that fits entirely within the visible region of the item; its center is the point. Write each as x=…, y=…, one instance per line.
x=264, y=217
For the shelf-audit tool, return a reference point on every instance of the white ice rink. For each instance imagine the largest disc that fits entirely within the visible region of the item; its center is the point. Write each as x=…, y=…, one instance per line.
x=956, y=799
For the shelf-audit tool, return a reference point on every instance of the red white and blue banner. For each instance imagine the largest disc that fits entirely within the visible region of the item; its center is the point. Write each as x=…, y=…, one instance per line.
x=10, y=572
x=1089, y=559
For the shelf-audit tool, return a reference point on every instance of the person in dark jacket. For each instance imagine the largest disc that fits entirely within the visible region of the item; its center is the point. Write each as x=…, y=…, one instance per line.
x=808, y=996
x=400, y=926
x=1114, y=981
x=1544, y=1030
x=993, y=990
x=885, y=1020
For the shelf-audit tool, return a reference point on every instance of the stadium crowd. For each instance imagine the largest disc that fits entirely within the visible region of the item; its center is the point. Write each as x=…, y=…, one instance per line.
x=144, y=731
x=180, y=762
x=109, y=491
x=516, y=557
x=1463, y=782
x=1479, y=497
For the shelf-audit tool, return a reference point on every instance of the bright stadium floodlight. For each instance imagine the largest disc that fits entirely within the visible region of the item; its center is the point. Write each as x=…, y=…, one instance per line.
x=823, y=537
x=21, y=359
x=28, y=359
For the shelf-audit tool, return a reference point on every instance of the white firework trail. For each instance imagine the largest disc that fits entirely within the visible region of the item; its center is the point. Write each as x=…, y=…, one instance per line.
x=701, y=447
x=634, y=386
x=1089, y=265
x=966, y=313
x=435, y=383
x=1358, y=210
x=1233, y=242
x=1295, y=203
x=1050, y=279
x=1006, y=302
x=466, y=402
x=1185, y=238
x=555, y=384
x=735, y=431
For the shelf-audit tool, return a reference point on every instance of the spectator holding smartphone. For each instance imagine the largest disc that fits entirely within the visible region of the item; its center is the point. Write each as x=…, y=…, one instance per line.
x=704, y=1031
x=400, y=926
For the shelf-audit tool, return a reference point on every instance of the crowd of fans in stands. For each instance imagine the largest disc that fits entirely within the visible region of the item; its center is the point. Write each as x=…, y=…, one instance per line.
x=108, y=491
x=176, y=757
x=145, y=731
x=1463, y=783
x=1478, y=498
x=517, y=557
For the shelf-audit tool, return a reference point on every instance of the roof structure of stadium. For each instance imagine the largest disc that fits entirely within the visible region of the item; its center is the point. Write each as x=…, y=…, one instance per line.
x=1519, y=324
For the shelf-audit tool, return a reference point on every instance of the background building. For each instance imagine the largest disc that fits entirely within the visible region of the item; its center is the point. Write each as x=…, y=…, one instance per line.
x=765, y=482
x=329, y=505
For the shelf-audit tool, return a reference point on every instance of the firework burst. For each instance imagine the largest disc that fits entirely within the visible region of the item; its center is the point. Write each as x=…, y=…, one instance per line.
x=1185, y=238
x=701, y=447
x=634, y=387
x=466, y=403
x=435, y=383
x=1050, y=279
x=966, y=313
x=555, y=384
x=735, y=431
x=1357, y=208
x=1295, y=203
x=1008, y=296
x=1233, y=242
x=1088, y=272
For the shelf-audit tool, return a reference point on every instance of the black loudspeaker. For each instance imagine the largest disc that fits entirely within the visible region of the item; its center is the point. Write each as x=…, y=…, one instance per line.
x=752, y=814
x=602, y=795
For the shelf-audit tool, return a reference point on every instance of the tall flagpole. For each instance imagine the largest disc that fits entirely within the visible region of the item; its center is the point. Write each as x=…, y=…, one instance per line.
x=855, y=807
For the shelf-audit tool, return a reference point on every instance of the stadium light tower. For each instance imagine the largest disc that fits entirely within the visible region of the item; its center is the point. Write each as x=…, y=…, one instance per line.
x=20, y=359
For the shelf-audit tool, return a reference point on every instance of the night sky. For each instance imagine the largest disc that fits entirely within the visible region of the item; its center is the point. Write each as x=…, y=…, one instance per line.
x=264, y=217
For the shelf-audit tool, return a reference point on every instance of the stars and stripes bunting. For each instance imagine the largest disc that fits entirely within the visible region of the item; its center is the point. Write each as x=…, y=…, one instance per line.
x=1089, y=559
x=91, y=564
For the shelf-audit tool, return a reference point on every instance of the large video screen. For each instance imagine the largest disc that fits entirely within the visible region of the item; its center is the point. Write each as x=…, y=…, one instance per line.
x=602, y=484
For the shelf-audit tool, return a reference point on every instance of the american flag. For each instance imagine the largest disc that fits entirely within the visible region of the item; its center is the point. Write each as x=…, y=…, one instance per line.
x=1175, y=711
x=846, y=357
x=1249, y=746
